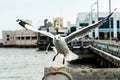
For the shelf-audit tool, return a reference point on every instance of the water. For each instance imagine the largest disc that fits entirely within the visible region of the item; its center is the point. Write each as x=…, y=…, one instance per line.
x=26, y=63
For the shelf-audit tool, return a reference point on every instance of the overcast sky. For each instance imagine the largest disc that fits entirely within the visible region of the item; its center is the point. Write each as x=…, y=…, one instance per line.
x=38, y=10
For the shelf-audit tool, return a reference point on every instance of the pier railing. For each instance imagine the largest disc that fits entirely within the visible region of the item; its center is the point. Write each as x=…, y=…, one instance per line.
x=111, y=47
x=110, y=50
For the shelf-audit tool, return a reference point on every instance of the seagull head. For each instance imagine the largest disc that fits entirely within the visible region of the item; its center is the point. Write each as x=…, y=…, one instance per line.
x=57, y=37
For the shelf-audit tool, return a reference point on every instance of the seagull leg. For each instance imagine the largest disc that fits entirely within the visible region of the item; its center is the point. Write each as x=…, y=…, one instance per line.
x=55, y=57
x=47, y=48
x=64, y=60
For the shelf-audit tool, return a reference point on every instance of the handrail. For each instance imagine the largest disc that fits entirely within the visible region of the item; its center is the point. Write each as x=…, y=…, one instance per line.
x=111, y=47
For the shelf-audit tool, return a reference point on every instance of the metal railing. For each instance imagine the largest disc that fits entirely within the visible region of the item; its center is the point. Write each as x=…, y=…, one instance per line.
x=111, y=47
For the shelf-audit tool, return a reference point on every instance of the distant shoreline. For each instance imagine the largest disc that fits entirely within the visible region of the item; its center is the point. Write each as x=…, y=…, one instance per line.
x=18, y=46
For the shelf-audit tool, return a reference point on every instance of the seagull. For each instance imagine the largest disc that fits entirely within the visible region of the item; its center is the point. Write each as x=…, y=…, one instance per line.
x=60, y=43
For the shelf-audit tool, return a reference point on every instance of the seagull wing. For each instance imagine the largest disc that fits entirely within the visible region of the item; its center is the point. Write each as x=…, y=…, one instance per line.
x=84, y=30
x=29, y=27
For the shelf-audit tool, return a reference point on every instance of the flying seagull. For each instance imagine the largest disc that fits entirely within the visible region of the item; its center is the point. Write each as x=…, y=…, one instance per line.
x=60, y=43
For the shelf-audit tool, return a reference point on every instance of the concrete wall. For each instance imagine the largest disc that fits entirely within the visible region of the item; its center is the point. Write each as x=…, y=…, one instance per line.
x=25, y=37
x=8, y=37
x=19, y=37
x=90, y=74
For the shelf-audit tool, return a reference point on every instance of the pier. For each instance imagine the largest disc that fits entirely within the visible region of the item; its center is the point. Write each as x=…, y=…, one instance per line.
x=82, y=74
x=107, y=53
x=109, y=50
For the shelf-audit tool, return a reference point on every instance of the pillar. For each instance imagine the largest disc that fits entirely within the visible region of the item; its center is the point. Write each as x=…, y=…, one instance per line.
x=114, y=27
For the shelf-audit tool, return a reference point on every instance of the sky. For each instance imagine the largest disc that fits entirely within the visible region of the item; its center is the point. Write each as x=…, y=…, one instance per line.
x=38, y=10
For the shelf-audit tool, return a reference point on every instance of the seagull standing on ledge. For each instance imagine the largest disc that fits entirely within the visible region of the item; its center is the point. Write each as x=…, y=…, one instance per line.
x=60, y=43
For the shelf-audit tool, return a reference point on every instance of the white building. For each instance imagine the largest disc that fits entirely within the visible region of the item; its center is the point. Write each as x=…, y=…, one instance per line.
x=19, y=37
x=71, y=27
x=84, y=19
x=58, y=23
x=25, y=37
x=8, y=37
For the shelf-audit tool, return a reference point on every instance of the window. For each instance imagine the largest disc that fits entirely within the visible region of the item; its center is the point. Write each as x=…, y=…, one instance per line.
x=34, y=38
x=93, y=22
x=8, y=35
x=118, y=24
x=28, y=38
x=43, y=37
x=83, y=24
x=111, y=22
x=72, y=29
x=106, y=24
x=8, y=39
x=17, y=38
x=22, y=38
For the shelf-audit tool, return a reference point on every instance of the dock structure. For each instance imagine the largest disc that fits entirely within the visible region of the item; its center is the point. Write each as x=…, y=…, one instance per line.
x=80, y=43
x=82, y=74
x=109, y=50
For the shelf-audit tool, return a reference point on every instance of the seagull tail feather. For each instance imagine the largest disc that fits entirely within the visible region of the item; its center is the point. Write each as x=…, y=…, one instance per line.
x=71, y=56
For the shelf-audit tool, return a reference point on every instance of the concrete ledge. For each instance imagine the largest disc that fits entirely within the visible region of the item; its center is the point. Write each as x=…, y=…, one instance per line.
x=90, y=74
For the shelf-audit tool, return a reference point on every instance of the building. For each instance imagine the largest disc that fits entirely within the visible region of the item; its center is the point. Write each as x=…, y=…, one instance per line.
x=58, y=24
x=55, y=28
x=28, y=21
x=8, y=37
x=71, y=27
x=19, y=38
x=103, y=32
x=25, y=37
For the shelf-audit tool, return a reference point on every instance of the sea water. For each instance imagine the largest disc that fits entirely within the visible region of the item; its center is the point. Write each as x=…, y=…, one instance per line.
x=26, y=63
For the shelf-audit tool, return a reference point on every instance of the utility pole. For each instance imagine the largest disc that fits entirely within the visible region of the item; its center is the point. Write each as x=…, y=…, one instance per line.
x=91, y=19
x=98, y=17
x=110, y=18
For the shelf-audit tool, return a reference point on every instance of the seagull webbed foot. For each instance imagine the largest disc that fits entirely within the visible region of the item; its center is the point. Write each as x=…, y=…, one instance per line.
x=56, y=69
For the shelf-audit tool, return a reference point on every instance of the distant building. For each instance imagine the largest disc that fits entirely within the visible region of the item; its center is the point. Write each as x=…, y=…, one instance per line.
x=58, y=23
x=25, y=37
x=71, y=27
x=85, y=19
x=19, y=37
x=1, y=42
x=8, y=37
x=28, y=21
